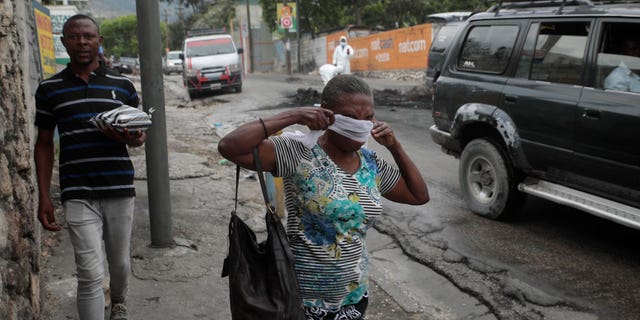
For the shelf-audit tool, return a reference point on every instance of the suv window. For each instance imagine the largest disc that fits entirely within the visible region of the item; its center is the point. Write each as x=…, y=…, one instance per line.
x=444, y=37
x=559, y=52
x=618, y=60
x=488, y=48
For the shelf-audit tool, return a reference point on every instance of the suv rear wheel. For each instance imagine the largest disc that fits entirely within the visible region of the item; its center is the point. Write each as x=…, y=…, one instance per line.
x=488, y=181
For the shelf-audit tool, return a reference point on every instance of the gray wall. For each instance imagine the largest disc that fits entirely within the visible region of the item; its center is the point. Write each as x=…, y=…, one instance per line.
x=20, y=294
x=307, y=63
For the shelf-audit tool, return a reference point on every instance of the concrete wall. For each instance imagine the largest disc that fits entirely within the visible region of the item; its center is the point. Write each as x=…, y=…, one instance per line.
x=307, y=63
x=20, y=293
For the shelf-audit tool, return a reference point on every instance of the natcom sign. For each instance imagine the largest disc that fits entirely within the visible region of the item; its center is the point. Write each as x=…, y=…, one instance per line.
x=406, y=48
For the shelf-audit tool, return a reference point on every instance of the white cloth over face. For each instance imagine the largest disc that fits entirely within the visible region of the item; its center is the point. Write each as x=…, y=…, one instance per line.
x=357, y=130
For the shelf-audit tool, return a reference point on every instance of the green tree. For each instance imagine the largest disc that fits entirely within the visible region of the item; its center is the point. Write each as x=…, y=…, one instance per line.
x=315, y=15
x=176, y=33
x=326, y=15
x=202, y=6
x=394, y=14
x=218, y=15
x=120, y=36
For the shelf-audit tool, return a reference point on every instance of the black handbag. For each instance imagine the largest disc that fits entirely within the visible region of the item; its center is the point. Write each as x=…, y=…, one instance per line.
x=262, y=280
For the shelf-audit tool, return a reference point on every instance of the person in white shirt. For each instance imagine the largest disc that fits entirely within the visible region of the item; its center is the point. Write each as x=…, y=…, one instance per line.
x=341, y=56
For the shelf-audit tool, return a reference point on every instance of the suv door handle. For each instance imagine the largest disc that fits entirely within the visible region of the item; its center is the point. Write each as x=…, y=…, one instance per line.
x=510, y=99
x=591, y=114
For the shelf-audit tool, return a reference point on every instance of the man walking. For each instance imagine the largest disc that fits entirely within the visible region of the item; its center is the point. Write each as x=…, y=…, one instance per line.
x=96, y=174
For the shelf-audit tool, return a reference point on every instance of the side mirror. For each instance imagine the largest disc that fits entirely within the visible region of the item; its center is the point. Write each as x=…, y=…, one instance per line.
x=181, y=56
x=240, y=50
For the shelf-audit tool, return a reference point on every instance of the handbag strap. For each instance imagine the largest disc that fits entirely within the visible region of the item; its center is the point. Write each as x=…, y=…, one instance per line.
x=263, y=185
x=235, y=205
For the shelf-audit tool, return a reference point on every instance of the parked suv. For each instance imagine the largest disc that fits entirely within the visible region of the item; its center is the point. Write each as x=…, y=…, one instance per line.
x=126, y=65
x=543, y=98
x=444, y=27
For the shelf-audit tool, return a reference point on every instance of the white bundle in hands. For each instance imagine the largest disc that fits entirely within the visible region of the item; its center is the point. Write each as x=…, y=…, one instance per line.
x=123, y=117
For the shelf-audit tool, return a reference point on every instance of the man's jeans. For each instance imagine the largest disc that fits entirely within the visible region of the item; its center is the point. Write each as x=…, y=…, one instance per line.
x=91, y=221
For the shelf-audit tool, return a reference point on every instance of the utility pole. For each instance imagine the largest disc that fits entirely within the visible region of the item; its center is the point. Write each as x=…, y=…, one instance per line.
x=298, y=32
x=181, y=19
x=150, y=46
x=250, y=44
x=287, y=46
x=166, y=23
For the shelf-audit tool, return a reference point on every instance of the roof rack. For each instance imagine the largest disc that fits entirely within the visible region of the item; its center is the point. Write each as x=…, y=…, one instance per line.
x=524, y=4
x=205, y=32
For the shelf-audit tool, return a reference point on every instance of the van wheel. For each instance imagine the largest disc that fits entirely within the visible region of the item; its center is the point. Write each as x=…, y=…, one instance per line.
x=238, y=88
x=193, y=95
x=488, y=182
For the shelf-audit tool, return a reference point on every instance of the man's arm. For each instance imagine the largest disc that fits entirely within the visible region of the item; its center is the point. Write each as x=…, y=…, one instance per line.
x=43, y=156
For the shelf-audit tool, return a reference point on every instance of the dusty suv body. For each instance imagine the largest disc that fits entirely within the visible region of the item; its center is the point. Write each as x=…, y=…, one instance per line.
x=527, y=98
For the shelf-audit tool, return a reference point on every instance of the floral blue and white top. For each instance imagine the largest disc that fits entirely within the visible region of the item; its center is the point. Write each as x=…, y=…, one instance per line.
x=329, y=212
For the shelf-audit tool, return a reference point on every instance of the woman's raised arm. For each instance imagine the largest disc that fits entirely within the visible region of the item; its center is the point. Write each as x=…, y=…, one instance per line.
x=237, y=146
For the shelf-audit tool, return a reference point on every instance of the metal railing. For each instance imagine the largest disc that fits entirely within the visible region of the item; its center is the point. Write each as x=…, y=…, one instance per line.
x=205, y=32
x=529, y=4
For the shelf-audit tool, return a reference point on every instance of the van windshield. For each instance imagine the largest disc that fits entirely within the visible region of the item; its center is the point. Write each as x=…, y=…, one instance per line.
x=210, y=47
x=173, y=55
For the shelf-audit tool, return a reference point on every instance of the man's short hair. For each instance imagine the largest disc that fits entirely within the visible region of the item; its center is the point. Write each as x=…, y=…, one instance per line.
x=79, y=16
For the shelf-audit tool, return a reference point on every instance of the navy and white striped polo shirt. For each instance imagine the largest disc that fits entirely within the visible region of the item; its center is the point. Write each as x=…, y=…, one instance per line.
x=91, y=165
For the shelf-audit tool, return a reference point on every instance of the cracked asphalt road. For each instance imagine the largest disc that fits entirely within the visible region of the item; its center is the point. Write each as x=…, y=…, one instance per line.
x=436, y=261
x=553, y=262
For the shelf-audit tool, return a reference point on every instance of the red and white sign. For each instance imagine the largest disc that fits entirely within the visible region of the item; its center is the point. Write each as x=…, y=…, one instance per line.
x=286, y=22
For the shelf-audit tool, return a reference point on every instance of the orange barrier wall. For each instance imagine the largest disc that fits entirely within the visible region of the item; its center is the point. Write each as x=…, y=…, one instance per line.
x=405, y=48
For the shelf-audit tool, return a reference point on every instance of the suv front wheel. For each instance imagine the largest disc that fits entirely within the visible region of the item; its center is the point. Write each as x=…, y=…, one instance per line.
x=487, y=180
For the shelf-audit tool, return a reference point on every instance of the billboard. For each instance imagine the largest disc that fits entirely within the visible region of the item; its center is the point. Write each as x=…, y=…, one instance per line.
x=46, y=45
x=287, y=17
x=406, y=48
x=60, y=14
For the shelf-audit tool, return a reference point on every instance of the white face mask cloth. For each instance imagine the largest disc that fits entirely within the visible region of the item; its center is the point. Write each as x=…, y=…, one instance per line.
x=358, y=130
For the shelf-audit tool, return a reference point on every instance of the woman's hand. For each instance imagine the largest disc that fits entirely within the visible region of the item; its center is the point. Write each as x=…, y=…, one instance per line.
x=383, y=134
x=315, y=118
x=131, y=138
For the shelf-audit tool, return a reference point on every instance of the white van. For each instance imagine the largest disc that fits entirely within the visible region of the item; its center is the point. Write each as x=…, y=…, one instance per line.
x=211, y=62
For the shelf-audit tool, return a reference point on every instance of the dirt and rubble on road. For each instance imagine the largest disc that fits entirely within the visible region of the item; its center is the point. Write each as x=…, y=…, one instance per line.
x=202, y=194
x=188, y=133
x=416, y=97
